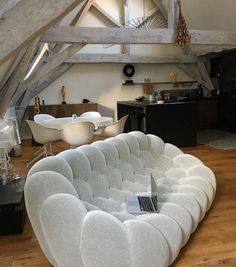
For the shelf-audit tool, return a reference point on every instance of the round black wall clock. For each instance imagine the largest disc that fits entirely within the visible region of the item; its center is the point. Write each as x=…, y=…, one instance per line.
x=128, y=70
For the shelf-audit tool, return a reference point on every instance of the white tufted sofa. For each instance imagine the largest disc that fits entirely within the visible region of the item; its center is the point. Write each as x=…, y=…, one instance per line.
x=76, y=202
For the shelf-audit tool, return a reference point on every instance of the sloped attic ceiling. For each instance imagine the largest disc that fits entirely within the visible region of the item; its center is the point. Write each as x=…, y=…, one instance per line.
x=26, y=24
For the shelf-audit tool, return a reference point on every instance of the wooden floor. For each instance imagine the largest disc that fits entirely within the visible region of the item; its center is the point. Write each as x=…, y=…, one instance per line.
x=212, y=245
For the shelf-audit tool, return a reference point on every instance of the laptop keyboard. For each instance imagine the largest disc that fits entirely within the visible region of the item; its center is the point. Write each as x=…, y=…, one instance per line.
x=145, y=204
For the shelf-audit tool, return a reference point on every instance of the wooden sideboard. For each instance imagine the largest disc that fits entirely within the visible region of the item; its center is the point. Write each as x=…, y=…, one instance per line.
x=63, y=110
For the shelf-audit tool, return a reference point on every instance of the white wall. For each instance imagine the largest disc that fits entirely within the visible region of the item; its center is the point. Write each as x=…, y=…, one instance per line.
x=102, y=83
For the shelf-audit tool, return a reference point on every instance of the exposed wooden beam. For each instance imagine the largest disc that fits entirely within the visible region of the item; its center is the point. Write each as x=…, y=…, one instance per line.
x=16, y=77
x=191, y=71
x=81, y=12
x=69, y=34
x=173, y=13
x=84, y=10
x=24, y=22
x=163, y=10
x=201, y=69
x=41, y=49
x=42, y=84
x=107, y=15
x=78, y=15
x=205, y=75
x=12, y=67
x=53, y=63
x=214, y=49
x=6, y=5
x=126, y=16
x=49, y=78
x=121, y=58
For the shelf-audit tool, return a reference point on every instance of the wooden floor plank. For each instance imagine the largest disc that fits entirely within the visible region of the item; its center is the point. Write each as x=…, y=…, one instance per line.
x=212, y=245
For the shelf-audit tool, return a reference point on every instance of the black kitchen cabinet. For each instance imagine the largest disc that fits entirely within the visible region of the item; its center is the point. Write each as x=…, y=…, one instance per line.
x=175, y=123
x=224, y=67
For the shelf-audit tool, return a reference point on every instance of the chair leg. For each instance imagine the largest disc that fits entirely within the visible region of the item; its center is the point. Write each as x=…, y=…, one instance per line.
x=38, y=151
x=45, y=152
x=48, y=151
x=33, y=160
x=50, y=147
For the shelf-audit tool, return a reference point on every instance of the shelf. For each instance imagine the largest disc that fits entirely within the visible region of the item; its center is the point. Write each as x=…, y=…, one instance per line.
x=183, y=83
x=128, y=84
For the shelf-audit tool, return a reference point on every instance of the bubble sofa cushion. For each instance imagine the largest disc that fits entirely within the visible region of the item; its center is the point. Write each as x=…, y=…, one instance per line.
x=102, y=175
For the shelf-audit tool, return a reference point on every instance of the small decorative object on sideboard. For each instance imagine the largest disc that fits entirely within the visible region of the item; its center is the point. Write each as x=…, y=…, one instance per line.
x=36, y=105
x=63, y=94
x=85, y=101
x=74, y=116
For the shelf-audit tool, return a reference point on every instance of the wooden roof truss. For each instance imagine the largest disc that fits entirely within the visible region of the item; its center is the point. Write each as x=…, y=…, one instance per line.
x=20, y=47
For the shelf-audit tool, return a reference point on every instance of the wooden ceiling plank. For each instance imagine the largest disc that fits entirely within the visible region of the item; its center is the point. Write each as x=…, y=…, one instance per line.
x=24, y=22
x=92, y=35
x=17, y=76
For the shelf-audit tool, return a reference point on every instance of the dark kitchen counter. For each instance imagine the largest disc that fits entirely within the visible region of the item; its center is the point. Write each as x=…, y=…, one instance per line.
x=174, y=122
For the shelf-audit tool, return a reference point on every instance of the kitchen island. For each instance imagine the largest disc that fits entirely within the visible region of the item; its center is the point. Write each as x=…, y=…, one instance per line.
x=174, y=122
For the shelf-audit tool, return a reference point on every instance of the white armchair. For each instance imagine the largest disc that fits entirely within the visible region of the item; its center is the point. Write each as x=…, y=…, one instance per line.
x=77, y=133
x=114, y=129
x=39, y=118
x=45, y=136
x=91, y=115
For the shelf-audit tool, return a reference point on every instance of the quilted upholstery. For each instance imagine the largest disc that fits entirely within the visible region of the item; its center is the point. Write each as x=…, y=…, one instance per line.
x=91, y=212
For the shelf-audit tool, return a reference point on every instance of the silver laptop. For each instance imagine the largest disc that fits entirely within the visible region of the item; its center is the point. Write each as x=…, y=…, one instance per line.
x=143, y=204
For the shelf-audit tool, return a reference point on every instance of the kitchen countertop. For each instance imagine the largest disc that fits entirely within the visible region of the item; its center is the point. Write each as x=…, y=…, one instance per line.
x=146, y=103
x=171, y=102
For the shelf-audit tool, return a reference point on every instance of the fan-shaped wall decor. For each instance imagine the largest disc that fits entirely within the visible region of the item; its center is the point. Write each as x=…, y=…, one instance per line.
x=154, y=21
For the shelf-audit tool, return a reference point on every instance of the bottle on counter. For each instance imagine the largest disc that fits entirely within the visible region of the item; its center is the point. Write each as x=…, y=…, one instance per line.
x=200, y=92
x=152, y=98
x=159, y=98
